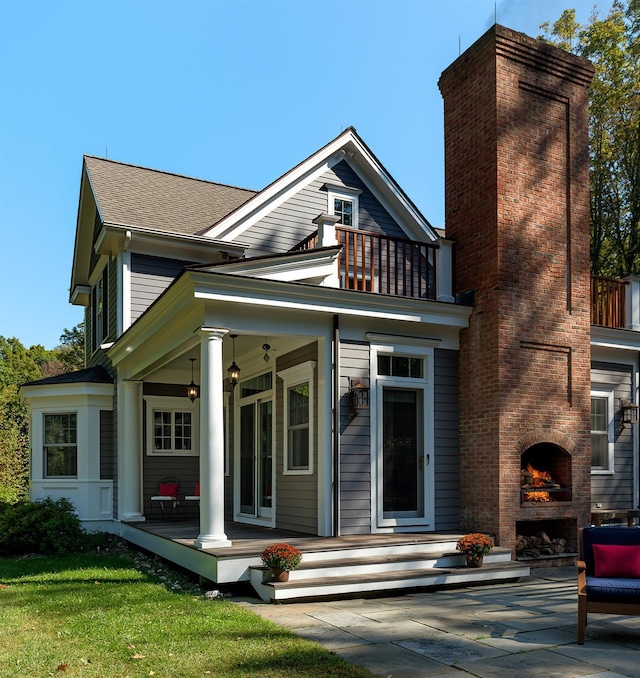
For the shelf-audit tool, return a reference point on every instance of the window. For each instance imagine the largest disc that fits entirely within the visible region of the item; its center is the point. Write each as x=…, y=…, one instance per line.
x=602, y=431
x=400, y=366
x=60, y=445
x=298, y=418
x=99, y=321
x=172, y=426
x=343, y=203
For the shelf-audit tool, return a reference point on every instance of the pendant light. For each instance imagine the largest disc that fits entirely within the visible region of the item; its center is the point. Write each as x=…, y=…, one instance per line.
x=192, y=389
x=233, y=369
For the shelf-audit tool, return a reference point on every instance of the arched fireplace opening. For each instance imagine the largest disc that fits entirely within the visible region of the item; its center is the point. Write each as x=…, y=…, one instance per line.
x=545, y=474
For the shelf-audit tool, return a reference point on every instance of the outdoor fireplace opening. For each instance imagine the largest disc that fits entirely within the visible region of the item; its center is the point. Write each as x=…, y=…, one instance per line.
x=545, y=474
x=546, y=539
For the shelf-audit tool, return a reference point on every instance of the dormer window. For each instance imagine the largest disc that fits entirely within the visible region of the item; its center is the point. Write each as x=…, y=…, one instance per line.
x=343, y=203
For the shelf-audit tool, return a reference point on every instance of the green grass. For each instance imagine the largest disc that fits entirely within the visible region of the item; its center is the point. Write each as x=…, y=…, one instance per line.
x=99, y=615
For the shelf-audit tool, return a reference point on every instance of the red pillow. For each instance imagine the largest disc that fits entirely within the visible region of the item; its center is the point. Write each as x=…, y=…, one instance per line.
x=168, y=489
x=197, y=490
x=616, y=560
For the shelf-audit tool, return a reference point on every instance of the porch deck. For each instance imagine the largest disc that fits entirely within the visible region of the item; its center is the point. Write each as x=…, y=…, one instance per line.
x=332, y=566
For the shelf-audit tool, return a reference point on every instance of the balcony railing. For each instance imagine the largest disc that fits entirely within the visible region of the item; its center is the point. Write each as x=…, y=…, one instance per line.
x=374, y=262
x=608, y=301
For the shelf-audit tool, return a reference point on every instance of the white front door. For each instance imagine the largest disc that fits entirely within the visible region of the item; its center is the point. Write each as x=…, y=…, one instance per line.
x=256, y=458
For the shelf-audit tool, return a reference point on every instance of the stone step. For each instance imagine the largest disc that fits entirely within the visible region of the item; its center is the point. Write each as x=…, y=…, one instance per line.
x=388, y=580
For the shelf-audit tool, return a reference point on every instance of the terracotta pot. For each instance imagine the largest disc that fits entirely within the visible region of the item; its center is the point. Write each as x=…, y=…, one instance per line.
x=474, y=561
x=279, y=575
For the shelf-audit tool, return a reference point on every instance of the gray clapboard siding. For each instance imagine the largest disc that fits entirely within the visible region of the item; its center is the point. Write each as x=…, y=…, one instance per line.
x=150, y=277
x=446, y=453
x=615, y=491
x=296, y=495
x=292, y=221
x=107, y=446
x=355, y=443
x=155, y=467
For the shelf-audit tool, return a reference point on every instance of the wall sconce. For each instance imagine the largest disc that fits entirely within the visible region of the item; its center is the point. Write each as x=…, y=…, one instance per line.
x=359, y=393
x=192, y=389
x=233, y=369
x=629, y=412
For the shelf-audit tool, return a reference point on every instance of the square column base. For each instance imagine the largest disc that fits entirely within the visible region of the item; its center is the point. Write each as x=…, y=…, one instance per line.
x=212, y=541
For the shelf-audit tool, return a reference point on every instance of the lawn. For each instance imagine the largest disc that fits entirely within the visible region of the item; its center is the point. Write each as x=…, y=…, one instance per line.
x=106, y=616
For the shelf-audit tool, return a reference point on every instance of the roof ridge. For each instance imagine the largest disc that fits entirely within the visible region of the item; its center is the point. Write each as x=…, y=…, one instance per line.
x=173, y=174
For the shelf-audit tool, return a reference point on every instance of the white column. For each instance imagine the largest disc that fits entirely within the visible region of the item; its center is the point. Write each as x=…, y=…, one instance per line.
x=327, y=237
x=444, y=271
x=130, y=451
x=633, y=303
x=212, y=533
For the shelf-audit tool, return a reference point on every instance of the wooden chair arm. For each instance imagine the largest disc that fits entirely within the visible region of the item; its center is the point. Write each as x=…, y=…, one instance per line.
x=582, y=576
x=581, y=565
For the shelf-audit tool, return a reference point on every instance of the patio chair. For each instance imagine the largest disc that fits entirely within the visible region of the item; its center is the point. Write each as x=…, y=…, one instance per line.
x=167, y=496
x=192, y=499
x=608, y=573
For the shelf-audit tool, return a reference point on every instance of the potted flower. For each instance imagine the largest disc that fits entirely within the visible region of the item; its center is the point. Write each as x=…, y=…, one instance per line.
x=475, y=546
x=281, y=558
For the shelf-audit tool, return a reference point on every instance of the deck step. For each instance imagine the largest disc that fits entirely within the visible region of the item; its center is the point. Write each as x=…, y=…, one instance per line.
x=343, y=577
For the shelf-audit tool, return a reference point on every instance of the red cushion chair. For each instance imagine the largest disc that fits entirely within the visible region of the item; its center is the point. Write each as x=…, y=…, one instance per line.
x=167, y=497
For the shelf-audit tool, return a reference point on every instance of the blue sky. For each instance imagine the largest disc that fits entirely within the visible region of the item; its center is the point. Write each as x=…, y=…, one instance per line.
x=234, y=91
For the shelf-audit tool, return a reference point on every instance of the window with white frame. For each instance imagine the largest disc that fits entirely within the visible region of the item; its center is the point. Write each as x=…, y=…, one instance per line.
x=61, y=445
x=602, y=431
x=343, y=203
x=99, y=314
x=172, y=426
x=298, y=418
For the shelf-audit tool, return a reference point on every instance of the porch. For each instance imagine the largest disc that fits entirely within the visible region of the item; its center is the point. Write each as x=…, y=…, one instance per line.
x=331, y=566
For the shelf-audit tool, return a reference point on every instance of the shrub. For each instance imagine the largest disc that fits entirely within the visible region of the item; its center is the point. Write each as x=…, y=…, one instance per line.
x=45, y=526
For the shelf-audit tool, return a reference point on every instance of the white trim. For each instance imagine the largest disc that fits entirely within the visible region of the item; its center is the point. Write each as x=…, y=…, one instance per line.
x=425, y=350
x=346, y=195
x=172, y=404
x=295, y=376
x=608, y=393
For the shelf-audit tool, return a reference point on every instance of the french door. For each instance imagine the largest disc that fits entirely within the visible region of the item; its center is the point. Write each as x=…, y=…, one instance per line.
x=256, y=458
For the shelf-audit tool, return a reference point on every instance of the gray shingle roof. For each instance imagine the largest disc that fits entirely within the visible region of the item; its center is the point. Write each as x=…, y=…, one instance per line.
x=89, y=375
x=151, y=199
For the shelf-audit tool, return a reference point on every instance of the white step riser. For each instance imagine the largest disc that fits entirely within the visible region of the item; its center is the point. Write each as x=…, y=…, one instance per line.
x=416, y=582
x=345, y=569
x=397, y=550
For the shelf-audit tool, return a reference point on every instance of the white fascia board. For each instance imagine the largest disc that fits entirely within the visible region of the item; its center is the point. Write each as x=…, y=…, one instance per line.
x=39, y=393
x=608, y=337
x=301, y=296
x=163, y=243
x=290, y=267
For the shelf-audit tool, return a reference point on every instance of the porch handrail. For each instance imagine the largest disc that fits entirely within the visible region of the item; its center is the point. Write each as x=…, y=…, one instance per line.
x=376, y=262
x=608, y=301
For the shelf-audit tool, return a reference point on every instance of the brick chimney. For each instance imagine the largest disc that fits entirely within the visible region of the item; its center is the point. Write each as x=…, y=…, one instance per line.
x=517, y=206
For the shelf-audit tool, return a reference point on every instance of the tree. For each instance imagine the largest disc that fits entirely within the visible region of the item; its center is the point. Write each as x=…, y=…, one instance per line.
x=613, y=45
x=17, y=366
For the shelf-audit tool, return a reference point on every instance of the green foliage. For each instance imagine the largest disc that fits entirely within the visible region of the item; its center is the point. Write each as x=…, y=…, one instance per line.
x=44, y=526
x=71, y=349
x=613, y=45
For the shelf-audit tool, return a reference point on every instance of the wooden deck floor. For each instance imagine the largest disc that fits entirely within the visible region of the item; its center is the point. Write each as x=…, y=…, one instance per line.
x=250, y=540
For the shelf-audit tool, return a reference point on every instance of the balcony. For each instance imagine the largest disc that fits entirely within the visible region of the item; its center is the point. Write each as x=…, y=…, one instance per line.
x=374, y=262
x=608, y=302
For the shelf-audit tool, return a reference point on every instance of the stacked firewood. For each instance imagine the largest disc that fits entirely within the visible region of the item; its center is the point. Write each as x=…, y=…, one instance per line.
x=539, y=545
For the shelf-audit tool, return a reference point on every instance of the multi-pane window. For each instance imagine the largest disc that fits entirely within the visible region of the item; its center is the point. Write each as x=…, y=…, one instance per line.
x=601, y=446
x=172, y=426
x=61, y=445
x=298, y=418
x=172, y=431
x=343, y=208
x=400, y=366
x=298, y=446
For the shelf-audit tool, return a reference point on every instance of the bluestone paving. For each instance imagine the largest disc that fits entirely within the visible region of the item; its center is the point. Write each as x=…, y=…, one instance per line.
x=525, y=629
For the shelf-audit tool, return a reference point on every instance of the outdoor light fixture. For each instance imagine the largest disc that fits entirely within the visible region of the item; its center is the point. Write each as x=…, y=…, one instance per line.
x=266, y=348
x=359, y=393
x=629, y=412
x=192, y=389
x=233, y=369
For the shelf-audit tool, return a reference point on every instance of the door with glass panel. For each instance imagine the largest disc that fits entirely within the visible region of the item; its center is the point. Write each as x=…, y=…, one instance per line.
x=256, y=456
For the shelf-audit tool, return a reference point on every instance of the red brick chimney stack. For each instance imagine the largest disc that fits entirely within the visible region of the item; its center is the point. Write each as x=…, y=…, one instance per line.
x=517, y=204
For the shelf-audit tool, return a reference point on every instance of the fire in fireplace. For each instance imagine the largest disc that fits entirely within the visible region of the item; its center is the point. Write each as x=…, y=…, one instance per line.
x=545, y=474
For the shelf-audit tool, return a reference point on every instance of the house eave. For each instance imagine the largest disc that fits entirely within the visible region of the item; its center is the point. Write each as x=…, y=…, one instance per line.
x=609, y=337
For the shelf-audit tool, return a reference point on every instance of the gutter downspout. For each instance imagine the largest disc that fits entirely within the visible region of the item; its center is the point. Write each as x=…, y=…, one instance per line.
x=336, y=425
